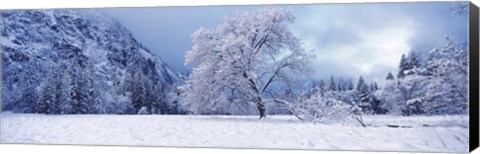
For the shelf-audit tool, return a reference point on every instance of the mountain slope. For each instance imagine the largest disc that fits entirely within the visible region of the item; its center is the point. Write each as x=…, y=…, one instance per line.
x=98, y=48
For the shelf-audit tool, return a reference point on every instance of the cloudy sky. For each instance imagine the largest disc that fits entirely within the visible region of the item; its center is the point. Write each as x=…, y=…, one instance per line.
x=349, y=39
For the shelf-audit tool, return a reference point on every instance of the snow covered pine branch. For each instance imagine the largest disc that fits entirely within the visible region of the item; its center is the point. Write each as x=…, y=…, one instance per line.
x=240, y=60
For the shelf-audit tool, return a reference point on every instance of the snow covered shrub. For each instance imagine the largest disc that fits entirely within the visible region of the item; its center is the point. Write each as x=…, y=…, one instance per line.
x=143, y=110
x=447, y=90
x=113, y=104
x=392, y=98
x=438, y=87
x=326, y=109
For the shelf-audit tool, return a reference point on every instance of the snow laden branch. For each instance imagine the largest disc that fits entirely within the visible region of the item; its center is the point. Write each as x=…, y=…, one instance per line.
x=239, y=61
x=438, y=87
x=326, y=107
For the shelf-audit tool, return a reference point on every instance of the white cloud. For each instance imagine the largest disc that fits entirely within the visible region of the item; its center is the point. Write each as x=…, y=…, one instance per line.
x=354, y=41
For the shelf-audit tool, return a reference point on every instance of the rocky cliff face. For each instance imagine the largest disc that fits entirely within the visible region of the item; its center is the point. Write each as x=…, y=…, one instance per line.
x=107, y=61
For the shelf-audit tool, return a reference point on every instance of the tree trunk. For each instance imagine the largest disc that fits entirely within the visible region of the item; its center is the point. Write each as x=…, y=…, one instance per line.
x=261, y=107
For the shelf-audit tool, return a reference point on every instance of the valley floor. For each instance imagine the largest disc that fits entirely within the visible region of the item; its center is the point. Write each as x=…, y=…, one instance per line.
x=433, y=134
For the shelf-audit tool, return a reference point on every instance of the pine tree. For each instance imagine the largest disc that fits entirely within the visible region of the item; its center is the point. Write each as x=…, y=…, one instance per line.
x=360, y=83
x=26, y=104
x=402, y=67
x=150, y=96
x=138, y=94
x=127, y=83
x=314, y=88
x=414, y=61
x=160, y=103
x=372, y=87
x=321, y=85
x=376, y=106
x=390, y=76
x=339, y=86
x=46, y=101
x=98, y=106
x=59, y=81
x=332, y=86
x=80, y=90
x=363, y=93
x=350, y=84
x=66, y=103
x=89, y=86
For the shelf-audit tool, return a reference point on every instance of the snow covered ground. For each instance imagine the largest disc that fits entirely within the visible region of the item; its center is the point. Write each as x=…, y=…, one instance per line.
x=433, y=134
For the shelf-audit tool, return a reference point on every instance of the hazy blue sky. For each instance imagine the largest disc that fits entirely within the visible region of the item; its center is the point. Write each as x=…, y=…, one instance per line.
x=349, y=39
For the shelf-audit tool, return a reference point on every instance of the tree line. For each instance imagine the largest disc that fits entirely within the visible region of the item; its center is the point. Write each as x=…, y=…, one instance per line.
x=74, y=86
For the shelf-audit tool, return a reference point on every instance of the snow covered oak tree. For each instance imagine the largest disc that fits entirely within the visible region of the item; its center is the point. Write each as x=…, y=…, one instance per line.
x=247, y=53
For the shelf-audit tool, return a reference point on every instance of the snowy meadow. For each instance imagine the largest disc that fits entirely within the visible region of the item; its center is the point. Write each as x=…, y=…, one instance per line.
x=254, y=79
x=434, y=134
